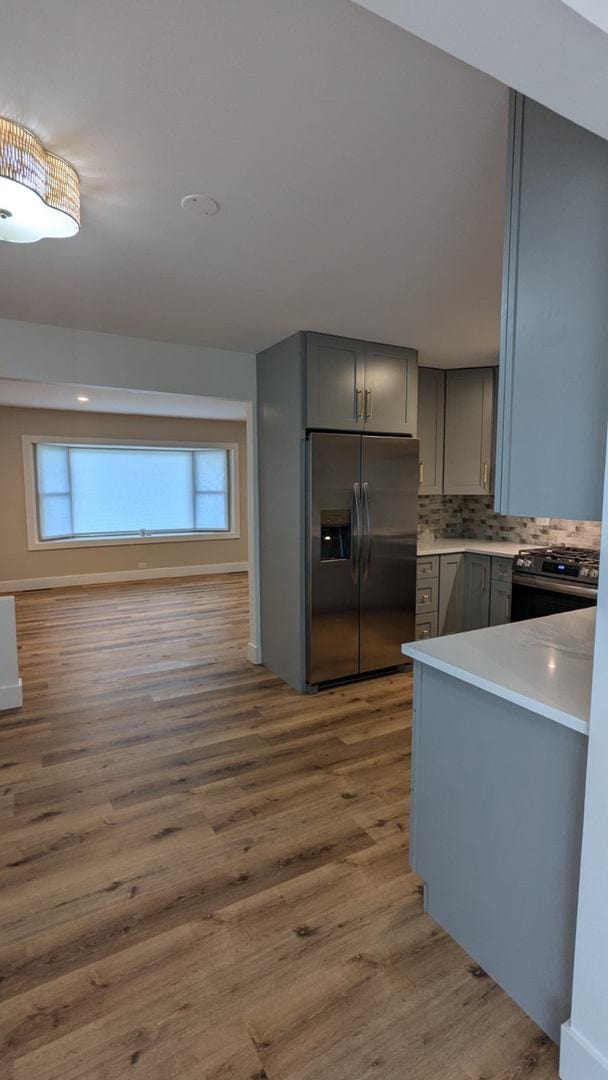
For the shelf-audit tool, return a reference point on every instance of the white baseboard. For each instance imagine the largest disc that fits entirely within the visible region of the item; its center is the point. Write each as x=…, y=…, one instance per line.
x=63, y=581
x=254, y=653
x=578, y=1059
x=11, y=697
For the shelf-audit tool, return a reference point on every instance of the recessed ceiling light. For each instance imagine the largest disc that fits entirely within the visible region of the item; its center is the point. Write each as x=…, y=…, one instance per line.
x=203, y=205
x=39, y=193
x=82, y=397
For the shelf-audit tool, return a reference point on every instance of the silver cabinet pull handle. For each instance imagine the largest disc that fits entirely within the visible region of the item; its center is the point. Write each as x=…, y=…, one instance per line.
x=368, y=404
x=358, y=403
x=421, y=470
x=356, y=542
x=367, y=533
x=486, y=472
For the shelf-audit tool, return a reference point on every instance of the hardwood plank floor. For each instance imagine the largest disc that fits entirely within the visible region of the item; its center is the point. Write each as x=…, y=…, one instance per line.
x=203, y=875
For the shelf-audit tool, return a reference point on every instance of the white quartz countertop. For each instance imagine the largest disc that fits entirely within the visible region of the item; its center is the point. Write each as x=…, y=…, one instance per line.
x=544, y=664
x=476, y=547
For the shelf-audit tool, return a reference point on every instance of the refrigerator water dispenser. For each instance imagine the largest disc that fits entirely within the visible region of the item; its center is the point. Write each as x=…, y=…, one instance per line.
x=336, y=535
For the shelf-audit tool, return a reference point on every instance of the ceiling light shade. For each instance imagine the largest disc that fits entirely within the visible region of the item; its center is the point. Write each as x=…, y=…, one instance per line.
x=39, y=193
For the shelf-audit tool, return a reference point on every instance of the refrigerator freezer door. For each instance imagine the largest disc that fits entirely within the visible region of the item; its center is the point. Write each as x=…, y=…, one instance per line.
x=333, y=549
x=389, y=481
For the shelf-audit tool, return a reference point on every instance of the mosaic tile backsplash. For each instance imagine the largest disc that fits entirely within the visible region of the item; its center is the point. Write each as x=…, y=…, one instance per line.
x=474, y=516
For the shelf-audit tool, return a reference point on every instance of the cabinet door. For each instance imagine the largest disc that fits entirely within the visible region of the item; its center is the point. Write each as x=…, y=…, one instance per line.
x=335, y=376
x=477, y=591
x=469, y=432
x=500, y=603
x=391, y=390
x=554, y=338
x=431, y=412
x=451, y=594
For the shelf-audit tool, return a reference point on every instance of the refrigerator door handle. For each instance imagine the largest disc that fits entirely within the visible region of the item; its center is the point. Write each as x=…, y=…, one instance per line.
x=356, y=544
x=367, y=533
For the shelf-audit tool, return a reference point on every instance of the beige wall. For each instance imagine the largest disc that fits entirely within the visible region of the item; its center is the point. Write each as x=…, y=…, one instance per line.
x=17, y=563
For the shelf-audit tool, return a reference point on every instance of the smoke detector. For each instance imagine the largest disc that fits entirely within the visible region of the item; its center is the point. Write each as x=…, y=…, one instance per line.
x=201, y=205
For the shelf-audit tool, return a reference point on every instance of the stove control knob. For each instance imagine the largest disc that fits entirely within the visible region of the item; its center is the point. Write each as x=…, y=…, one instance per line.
x=527, y=563
x=584, y=571
x=520, y=562
x=593, y=573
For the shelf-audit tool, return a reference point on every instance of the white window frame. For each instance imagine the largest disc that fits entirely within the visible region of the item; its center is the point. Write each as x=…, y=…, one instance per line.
x=35, y=543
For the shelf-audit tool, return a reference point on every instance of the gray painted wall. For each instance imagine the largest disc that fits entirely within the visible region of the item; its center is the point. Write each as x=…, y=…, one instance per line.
x=59, y=354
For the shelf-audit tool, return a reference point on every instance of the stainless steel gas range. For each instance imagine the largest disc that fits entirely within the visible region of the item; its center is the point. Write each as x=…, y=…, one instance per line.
x=553, y=579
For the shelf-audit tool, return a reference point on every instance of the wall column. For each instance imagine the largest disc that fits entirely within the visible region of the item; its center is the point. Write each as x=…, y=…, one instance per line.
x=584, y=1045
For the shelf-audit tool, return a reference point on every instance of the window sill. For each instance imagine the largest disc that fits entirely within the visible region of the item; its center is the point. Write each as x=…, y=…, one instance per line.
x=99, y=541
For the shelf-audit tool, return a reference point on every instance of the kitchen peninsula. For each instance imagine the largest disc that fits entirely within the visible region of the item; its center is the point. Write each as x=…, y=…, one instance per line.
x=501, y=718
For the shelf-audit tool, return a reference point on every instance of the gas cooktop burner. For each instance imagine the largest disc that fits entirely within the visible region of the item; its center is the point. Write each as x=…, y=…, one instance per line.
x=564, y=551
x=560, y=560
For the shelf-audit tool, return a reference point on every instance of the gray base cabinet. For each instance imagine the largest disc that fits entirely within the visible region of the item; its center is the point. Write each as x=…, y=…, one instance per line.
x=500, y=603
x=496, y=836
x=500, y=592
x=464, y=591
x=427, y=596
x=553, y=386
x=477, y=591
x=451, y=594
x=469, y=432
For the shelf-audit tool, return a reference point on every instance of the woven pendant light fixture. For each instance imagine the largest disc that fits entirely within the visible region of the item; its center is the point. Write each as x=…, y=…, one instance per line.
x=39, y=193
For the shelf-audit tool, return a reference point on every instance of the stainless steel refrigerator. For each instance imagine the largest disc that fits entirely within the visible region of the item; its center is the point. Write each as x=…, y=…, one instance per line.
x=362, y=495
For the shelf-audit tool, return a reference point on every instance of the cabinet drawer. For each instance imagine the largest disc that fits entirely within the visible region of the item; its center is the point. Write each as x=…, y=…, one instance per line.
x=502, y=569
x=427, y=596
x=427, y=567
x=426, y=626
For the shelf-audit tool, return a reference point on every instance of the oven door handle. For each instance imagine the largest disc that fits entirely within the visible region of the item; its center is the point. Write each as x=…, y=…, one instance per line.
x=534, y=581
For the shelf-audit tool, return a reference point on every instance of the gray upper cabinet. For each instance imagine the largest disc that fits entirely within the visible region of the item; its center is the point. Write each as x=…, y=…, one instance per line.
x=553, y=388
x=391, y=390
x=431, y=408
x=357, y=386
x=335, y=383
x=477, y=579
x=469, y=432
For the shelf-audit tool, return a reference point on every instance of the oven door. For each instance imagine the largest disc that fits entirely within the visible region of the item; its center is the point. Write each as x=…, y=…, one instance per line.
x=534, y=596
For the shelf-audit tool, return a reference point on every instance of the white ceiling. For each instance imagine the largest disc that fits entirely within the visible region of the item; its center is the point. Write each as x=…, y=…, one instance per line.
x=28, y=394
x=555, y=51
x=360, y=173
x=595, y=11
